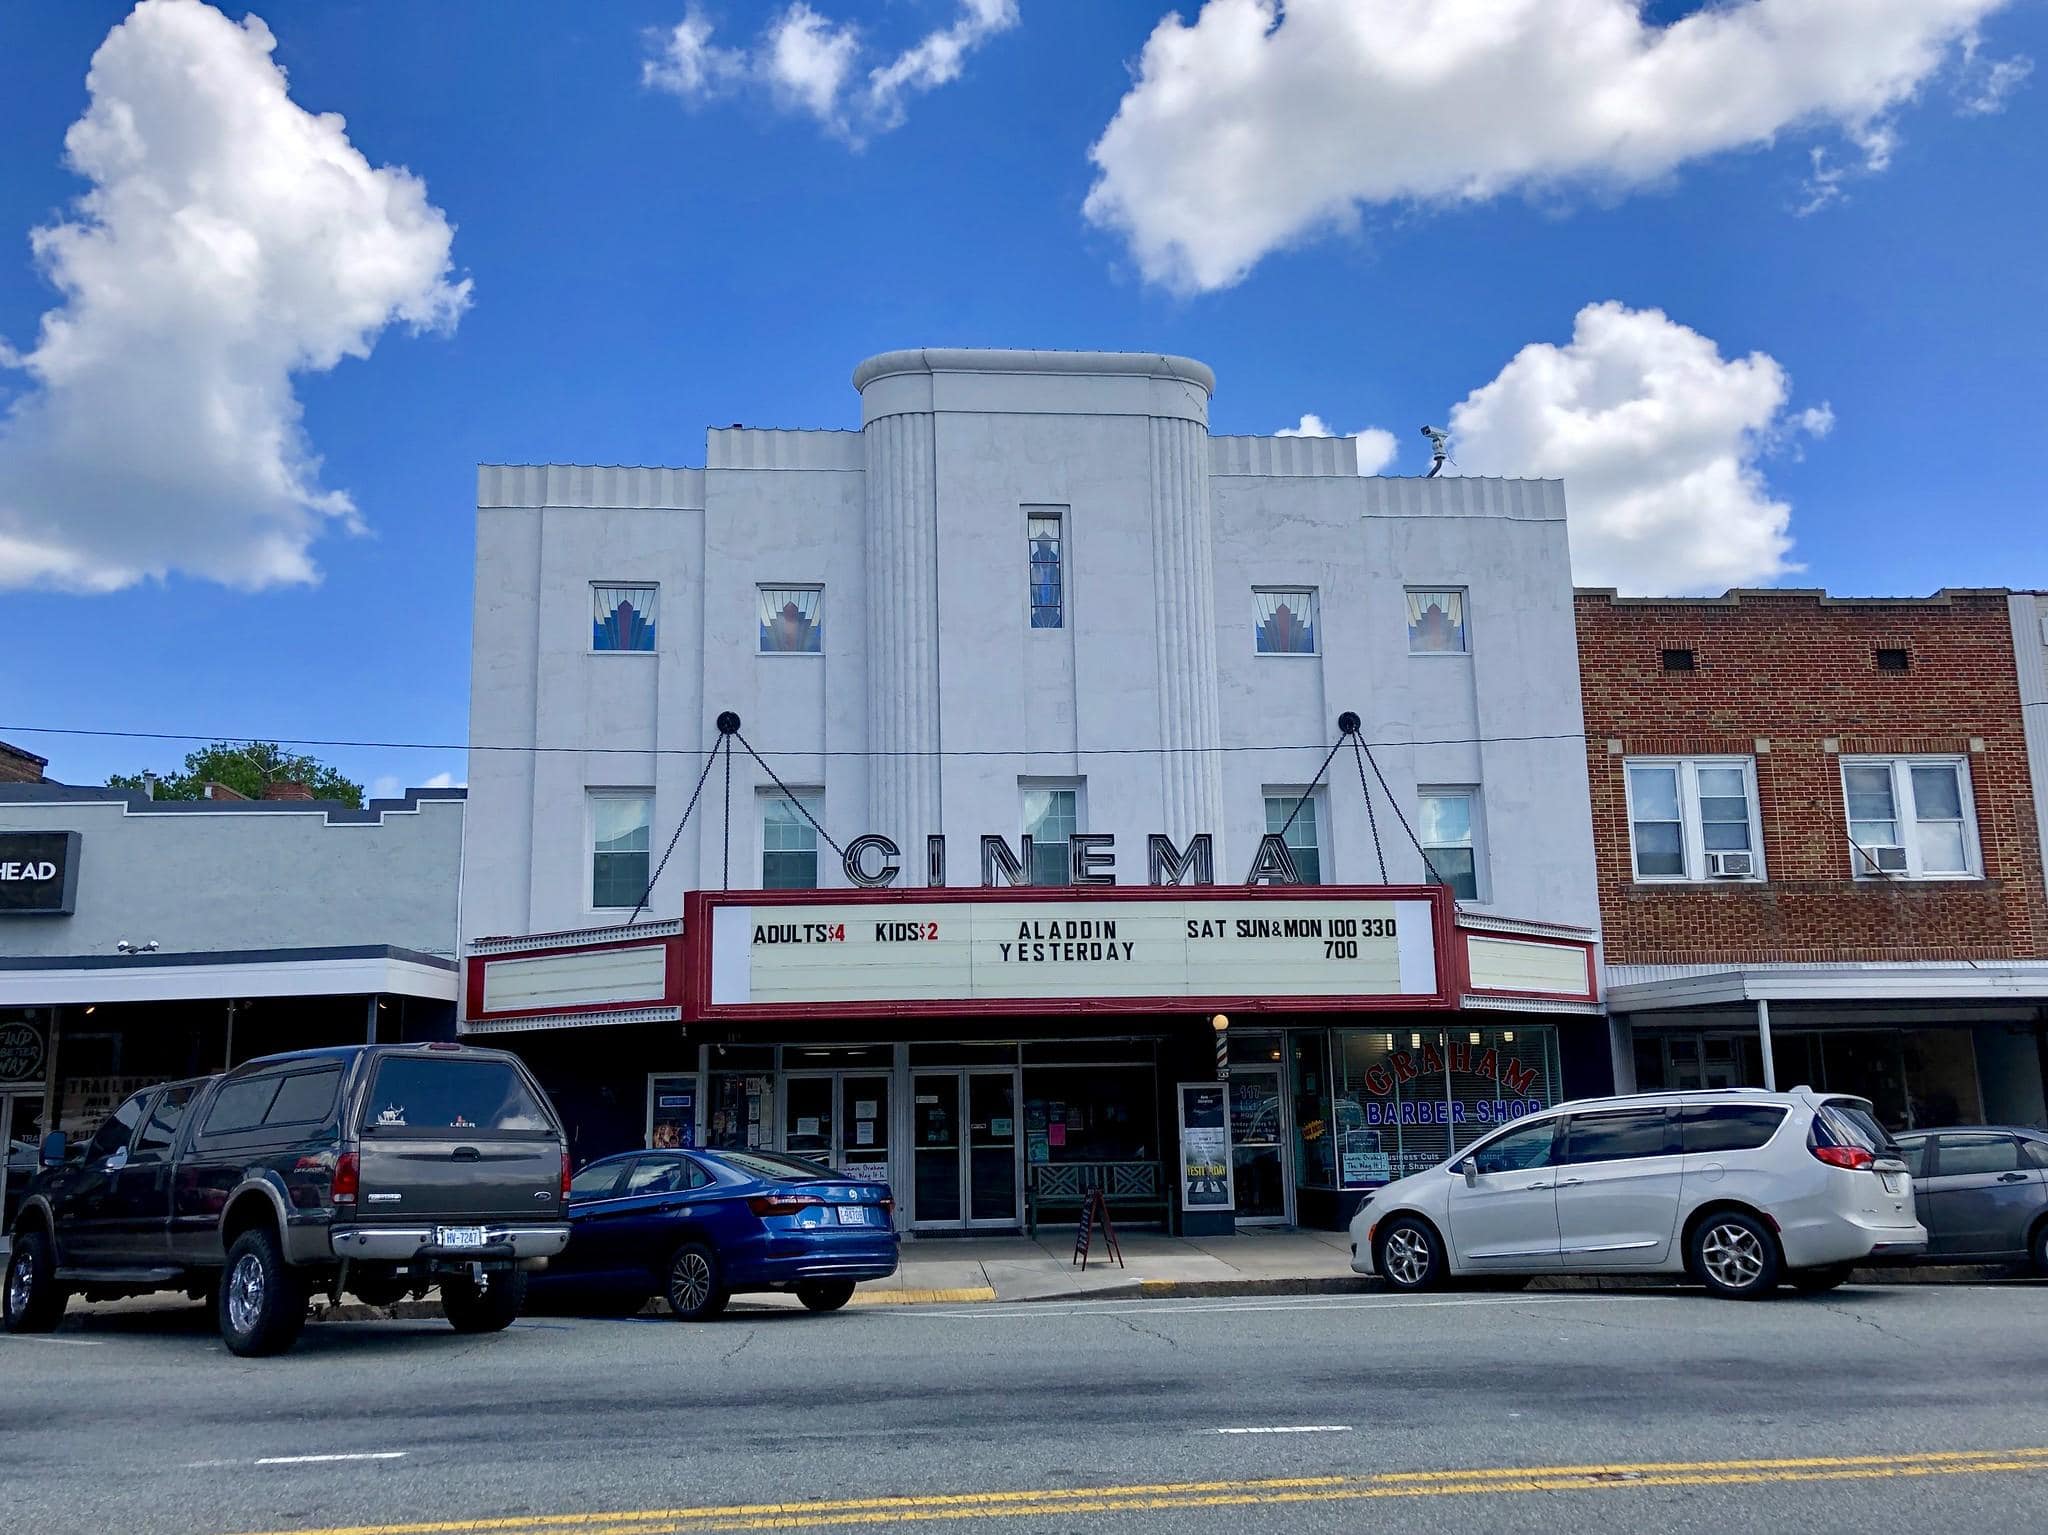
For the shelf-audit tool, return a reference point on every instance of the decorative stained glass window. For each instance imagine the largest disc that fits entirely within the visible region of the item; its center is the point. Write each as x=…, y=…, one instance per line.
x=1287, y=620
x=624, y=619
x=789, y=842
x=1436, y=622
x=1300, y=837
x=792, y=620
x=1048, y=572
x=1051, y=817
x=620, y=822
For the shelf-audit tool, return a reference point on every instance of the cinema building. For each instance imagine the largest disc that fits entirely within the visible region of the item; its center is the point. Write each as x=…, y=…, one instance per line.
x=936, y=799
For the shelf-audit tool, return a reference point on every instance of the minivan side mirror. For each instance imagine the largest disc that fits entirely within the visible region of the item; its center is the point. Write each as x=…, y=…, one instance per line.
x=1470, y=1168
x=53, y=1149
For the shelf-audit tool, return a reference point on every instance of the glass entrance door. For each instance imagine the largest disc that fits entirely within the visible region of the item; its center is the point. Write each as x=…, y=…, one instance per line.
x=840, y=1118
x=965, y=1149
x=1258, y=1144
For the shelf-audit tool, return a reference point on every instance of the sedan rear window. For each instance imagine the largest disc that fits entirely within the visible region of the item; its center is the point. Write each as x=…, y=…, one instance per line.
x=421, y=1095
x=768, y=1165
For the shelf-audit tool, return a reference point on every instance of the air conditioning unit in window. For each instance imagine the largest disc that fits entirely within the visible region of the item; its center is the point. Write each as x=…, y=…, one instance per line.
x=1731, y=865
x=1881, y=858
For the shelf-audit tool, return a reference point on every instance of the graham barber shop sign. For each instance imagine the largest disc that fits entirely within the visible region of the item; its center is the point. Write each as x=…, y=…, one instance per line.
x=38, y=873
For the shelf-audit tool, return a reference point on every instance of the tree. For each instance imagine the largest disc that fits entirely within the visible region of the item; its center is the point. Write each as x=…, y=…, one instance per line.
x=248, y=767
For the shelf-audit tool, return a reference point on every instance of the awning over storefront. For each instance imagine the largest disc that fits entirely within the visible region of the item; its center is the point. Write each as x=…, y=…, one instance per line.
x=360, y=970
x=1660, y=988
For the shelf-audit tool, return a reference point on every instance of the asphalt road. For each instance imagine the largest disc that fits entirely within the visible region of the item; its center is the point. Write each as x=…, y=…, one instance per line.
x=1900, y=1407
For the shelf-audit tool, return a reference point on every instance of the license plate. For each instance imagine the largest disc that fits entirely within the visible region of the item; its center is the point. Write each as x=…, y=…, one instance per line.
x=1891, y=1182
x=459, y=1236
x=853, y=1215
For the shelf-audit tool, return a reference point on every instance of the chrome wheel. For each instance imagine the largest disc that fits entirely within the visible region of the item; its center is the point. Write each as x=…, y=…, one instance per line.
x=689, y=1281
x=21, y=1283
x=245, y=1293
x=1732, y=1255
x=1406, y=1256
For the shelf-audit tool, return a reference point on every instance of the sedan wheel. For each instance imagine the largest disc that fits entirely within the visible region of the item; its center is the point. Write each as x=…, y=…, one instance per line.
x=1734, y=1256
x=695, y=1292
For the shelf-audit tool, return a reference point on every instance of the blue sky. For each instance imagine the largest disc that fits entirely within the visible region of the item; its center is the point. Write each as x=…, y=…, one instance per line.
x=644, y=260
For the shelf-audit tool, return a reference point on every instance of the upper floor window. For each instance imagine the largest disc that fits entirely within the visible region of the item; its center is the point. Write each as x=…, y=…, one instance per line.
x=1436, y=621
x=1450, y=840
x=1910, y=817
x=1286, y=620
x=1694, y=818
x=1047, y=551
x=1051, y=817
x=1302, y=836
x=789, y=841
x=624, y=617
x=792, y=620
x=621, y=825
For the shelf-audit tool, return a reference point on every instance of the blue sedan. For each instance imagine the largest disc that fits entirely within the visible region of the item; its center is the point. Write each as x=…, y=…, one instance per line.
x=700, y=1226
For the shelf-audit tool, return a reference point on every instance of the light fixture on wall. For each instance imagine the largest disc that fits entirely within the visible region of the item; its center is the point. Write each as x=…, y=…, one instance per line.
x=125, y=947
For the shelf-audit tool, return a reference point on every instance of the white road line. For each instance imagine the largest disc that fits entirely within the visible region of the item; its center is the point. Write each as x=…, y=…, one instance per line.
x=308, y=1460
x=1014, y=1311
x=60, y=1342
x=1297, y=1428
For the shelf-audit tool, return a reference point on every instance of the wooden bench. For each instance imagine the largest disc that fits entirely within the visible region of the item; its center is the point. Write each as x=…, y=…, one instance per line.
x=1061, y=1188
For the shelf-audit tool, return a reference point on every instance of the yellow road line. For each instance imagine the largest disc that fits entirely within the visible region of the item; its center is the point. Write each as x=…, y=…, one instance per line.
x=1478, y=1481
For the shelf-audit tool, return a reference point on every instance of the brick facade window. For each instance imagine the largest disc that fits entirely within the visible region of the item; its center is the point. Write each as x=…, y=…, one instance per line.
x=1910, y=817
x=1694, y=818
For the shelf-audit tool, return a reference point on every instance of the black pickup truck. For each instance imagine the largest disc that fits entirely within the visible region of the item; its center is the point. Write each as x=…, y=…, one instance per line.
x=373, y=1170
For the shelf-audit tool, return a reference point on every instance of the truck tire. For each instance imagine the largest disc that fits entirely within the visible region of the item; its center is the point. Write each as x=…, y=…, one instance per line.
x=492, y=1309
x=33, y=1300
x=262, y=1305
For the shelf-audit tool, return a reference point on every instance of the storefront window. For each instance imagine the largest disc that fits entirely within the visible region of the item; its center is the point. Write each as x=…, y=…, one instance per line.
x=1315, y=1143
x=671, y=1112
x=1090, y=1114
x=1406, y=1099
x=741, y=1113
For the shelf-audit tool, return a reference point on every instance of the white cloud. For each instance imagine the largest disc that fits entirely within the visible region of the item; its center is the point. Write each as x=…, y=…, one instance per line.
x=1376, y=446
x=1985, y=84
x=810, y=64
x=1253, y=129
x=391, y=786
x=230, y=239
x=1660, y=442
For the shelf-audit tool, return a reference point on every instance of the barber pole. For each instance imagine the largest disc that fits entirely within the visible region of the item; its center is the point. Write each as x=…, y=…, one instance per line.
x=1221, y=1024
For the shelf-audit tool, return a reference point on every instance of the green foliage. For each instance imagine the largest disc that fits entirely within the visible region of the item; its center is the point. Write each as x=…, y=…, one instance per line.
x=247, y=767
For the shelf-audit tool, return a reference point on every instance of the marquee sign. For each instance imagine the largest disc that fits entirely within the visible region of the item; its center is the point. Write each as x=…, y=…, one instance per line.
x=804, y=954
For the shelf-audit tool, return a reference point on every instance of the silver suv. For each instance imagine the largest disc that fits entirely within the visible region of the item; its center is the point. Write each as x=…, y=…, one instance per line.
x=1741, y=1189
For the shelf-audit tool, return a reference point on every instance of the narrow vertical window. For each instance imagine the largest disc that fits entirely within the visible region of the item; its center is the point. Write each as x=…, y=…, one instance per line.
x=1286, y=620
x=1046, y=549
x=620, y=828
x=792, y=620
x=624, y=618
x=1436, y=622
x=1302, y=836
x=1051, y=817
x=789, y=842
x=1657, y=826
x=1447, y=842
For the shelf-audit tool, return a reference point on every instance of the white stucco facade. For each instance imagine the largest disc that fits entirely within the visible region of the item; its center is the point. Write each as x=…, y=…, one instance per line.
x=932, y=699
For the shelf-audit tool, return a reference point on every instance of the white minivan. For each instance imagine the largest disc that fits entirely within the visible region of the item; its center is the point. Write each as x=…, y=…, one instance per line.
x=1739, y=1188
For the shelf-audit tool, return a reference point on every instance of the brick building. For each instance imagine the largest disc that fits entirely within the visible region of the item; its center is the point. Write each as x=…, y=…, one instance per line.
x=1818, y=851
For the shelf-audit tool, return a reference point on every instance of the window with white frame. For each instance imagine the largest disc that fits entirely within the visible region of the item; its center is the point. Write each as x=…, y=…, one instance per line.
x=1046, y=550
x=621, y=833
x=1450, y=836
x=623, y=619
x=1694, y=818
x=1286, y=622
x=1910, y=817
x=1436, y=621
x=792, y=620
x=1303, y=835
x=789, y=839
x=1052, y=814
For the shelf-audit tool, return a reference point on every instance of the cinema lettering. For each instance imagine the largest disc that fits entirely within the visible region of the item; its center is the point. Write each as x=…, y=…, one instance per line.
x=873, y=862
